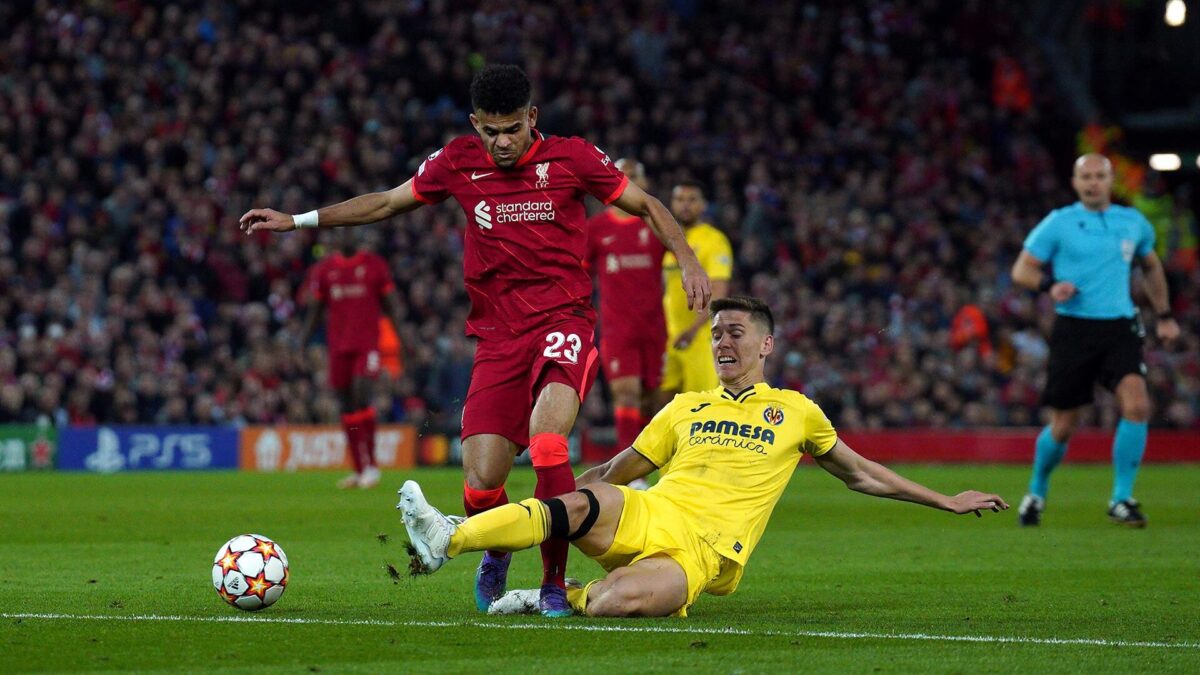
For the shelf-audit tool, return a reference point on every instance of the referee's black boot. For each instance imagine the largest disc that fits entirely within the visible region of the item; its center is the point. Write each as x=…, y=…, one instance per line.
x=1029, y=513
x=1127, y=512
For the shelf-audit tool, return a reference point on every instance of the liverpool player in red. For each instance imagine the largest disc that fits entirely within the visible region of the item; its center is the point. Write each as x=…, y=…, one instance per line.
x=627, y=258
x=531, y=308
x=354, y=285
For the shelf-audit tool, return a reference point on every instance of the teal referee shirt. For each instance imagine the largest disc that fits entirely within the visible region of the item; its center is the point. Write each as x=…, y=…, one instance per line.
x=1095, y=251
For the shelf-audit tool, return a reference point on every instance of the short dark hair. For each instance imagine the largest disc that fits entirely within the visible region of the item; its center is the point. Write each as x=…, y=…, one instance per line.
x=692, y=183
x=500, y=89
x=757, y=309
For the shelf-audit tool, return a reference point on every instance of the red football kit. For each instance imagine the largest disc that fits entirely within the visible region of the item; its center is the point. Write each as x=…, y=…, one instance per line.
x=627, y=258
x=525, y=243
x=352, y=289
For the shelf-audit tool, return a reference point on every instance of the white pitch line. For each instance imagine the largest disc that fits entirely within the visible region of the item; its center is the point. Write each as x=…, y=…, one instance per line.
x=609, y=628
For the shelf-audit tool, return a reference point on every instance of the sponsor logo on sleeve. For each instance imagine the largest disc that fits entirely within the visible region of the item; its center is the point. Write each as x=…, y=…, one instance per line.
x=421, y=169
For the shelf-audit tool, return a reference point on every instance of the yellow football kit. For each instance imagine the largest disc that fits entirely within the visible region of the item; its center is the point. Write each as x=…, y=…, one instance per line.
x=692, y=369
x=725, y=458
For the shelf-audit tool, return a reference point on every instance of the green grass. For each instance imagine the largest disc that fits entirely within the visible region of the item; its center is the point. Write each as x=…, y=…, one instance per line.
x=138, y=544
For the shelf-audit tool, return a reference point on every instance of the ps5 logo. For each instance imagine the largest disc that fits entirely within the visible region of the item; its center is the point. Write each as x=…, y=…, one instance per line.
x=149, y=451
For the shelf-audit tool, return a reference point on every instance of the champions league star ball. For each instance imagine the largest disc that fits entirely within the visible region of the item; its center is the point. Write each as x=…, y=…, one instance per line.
x=250, y=572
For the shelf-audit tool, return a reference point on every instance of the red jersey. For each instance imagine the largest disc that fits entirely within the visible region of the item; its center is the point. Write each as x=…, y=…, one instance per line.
x=627, y=258
x=353, y=289
x=526, y=235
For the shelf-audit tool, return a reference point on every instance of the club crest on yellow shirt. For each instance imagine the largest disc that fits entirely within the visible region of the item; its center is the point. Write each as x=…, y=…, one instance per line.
x=773, y=415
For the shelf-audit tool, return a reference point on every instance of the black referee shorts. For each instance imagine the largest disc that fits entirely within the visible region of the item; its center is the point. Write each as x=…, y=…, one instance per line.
x=1084, y=352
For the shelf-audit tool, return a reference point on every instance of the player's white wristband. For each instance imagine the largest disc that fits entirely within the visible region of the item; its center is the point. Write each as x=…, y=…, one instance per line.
x=305, y=219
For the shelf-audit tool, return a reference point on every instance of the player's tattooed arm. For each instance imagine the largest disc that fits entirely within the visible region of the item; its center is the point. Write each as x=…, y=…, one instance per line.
x=628, y=465
x=361, y=210
x=636, y=201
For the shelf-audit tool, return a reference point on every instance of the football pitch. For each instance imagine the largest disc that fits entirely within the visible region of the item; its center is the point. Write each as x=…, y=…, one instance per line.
x=107, y=573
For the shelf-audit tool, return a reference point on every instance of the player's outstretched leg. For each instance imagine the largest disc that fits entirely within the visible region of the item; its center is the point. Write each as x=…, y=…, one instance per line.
x=436, y=538
x=429, y=530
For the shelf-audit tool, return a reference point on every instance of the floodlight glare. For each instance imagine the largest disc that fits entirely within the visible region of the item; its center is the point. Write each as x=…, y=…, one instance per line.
x=1167, y=161
x=1176, y=13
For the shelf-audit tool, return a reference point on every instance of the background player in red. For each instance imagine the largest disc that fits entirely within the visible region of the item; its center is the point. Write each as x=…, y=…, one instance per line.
x=626, y=257
x=531, y=311
x=354, y=284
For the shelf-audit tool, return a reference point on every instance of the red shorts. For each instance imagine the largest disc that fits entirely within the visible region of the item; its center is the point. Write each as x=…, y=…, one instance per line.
x=345, y=366
x=637, y=355
x=509, y=374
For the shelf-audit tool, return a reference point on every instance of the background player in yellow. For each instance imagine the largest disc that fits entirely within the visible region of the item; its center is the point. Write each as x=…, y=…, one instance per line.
x=726, y=456
x=688, y=365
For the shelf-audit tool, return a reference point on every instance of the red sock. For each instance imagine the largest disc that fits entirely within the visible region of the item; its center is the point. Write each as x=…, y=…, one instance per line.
x=478, y=501
x=554, y=477
x=367, y=442
x=629, y=425
x=353, y=428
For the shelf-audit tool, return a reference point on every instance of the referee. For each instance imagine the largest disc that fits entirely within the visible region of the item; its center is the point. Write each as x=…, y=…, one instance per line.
x=1090, y=247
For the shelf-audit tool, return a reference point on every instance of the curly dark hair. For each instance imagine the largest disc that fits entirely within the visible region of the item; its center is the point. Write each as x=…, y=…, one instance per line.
x=759, y=312
x=500, y=89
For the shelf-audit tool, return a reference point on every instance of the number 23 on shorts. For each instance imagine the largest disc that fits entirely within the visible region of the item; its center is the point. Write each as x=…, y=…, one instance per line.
x=563, y=346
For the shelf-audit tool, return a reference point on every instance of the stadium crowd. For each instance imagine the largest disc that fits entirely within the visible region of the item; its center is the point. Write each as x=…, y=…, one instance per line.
x=876, y=164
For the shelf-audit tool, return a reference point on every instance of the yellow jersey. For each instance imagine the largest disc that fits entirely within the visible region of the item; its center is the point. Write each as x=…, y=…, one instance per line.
x=726, y=457
x=716, y=257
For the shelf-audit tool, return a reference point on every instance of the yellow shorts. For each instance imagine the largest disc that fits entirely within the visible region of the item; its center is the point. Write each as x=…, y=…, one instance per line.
x=651, y=525
x=689, y=369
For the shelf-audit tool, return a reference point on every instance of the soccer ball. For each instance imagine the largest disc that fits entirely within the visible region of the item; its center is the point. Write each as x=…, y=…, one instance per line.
x=250, y=572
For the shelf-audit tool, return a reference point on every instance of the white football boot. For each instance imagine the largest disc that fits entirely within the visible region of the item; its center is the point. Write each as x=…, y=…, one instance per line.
x=428, y=529
x=520, y=601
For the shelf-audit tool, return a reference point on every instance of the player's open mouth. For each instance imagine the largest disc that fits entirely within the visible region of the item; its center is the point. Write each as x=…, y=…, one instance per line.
x=725, y=360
